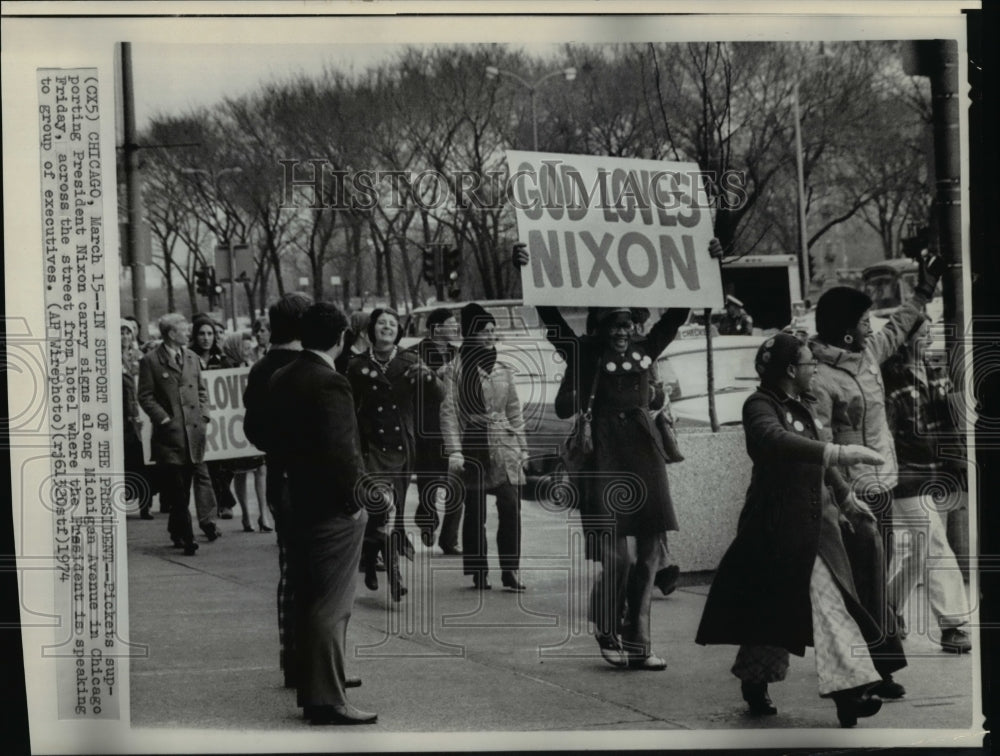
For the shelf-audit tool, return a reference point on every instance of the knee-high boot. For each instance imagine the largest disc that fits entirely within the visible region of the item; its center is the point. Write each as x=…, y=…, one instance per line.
x=391, y=551
x=369, y=557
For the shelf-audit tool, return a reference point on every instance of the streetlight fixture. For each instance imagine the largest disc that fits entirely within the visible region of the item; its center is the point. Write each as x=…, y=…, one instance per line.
x=492, y=72
x=214, y=177
x=824, y=51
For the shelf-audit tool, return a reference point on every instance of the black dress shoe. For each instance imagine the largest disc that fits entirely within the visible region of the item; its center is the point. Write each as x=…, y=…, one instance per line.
x=855, y=703
x=426, y=537
x=666, y=579
x=352, y=682
x=509, y=580
x=146, y=515
x=212, y=532
x=190, y=548
x=178, y=543
x=339, y=715
x=397, y=590
x=755, y=694
x=480, y=581
x=887, y=688
x=450, y=550
x=371, y=578
x=264, y=528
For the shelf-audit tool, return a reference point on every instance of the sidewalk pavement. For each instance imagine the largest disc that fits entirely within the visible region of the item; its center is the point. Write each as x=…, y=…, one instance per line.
x=449, y=659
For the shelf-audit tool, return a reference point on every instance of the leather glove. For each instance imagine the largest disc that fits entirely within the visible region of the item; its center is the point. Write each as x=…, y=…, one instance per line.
x=931, y=268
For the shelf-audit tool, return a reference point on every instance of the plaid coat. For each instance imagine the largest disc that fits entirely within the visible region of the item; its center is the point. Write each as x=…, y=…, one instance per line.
x=916, y=403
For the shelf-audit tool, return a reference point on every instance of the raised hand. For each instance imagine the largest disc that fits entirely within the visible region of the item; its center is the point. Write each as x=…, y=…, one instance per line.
x=519, y=254
x=715, y=250
x=931, y=268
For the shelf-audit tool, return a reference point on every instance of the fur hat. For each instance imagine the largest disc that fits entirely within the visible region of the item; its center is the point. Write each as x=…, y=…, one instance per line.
x=838, y=311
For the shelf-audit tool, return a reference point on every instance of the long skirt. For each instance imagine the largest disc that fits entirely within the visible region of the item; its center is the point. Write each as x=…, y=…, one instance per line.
x=842, y=658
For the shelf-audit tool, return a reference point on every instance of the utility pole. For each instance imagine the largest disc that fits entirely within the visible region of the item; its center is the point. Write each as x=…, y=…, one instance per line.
x=804, y=267
x=133, y=195
x=938, y=60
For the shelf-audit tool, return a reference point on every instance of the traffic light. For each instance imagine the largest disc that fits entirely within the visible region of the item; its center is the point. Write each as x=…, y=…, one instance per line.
x=430, y=265
x=452, y=263
x=202, y=281
x=454, y=288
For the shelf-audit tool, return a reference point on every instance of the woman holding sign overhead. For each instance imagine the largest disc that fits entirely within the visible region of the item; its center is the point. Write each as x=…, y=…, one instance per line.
x=614, y=372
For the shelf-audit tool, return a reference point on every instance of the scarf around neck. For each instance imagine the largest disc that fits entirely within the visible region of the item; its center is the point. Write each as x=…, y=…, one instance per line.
x=470, y=385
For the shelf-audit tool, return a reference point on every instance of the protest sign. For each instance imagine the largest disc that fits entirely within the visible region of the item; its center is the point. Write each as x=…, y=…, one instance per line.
x=224, y=437
x=614, y=231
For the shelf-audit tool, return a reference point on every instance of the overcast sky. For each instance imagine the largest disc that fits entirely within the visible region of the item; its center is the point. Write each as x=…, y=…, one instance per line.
x=173, y=78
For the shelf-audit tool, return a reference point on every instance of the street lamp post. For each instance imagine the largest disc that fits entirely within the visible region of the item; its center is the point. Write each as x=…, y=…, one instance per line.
x=214, y=176
x=492, y=72
x=801, y=193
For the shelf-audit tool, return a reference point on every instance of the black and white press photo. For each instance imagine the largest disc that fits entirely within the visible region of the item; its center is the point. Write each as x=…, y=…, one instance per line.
x=506, y=382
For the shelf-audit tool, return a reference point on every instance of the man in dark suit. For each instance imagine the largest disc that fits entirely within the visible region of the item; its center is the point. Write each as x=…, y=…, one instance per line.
x=315, y=439
x=285, y=318
x=172, y=394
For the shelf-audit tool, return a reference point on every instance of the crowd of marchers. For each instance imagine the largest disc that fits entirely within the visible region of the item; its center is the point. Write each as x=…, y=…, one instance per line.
x=840, y=522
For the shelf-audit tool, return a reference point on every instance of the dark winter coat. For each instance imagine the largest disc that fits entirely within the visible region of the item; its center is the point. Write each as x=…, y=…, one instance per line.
x=386, y=402
x=760, y=595
x=168, y=391
x=629, y=458
x=427, y=417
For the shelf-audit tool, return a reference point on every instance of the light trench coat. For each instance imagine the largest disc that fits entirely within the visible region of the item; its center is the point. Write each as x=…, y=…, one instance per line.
x=503, y=419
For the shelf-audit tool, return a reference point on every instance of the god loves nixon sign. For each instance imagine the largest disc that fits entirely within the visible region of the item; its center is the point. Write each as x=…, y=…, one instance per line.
x=613, y=231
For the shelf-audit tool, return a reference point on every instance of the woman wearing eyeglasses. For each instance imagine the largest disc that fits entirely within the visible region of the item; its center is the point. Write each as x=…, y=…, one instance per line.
x=785, y=582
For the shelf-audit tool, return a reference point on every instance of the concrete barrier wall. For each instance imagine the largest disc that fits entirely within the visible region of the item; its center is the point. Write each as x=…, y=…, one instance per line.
x=708, y=489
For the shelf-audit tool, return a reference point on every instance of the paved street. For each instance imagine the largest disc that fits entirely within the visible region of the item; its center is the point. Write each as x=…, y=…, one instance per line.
x=446, y=660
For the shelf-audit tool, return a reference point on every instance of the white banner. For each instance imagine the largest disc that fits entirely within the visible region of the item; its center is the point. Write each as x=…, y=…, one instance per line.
x=619, y=231
x=224, y=437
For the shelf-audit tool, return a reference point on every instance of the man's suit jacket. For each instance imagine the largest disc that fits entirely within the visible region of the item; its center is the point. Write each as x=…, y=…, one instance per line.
x=258, y=423
x=315, y=437
x=169, y=391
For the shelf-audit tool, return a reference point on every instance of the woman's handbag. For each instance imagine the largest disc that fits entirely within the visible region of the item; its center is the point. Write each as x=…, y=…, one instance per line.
x=669, y=438
x=578, y=448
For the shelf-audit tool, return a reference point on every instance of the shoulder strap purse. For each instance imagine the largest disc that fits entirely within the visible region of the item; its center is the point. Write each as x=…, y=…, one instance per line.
x=578, y=448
